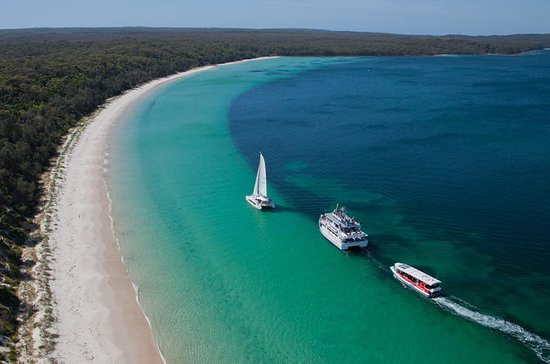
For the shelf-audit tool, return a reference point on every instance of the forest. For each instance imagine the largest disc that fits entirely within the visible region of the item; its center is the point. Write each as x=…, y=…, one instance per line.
x=51, y=78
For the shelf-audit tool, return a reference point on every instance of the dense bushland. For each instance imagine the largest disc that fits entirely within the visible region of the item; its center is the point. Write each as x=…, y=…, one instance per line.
x=51, y=78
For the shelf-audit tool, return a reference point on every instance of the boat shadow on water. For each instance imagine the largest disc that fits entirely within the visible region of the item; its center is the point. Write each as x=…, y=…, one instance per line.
x=281, y=209
x=358, y=252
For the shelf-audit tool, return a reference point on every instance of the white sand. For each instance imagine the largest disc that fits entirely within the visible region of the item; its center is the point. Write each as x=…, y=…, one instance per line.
x=98, y=317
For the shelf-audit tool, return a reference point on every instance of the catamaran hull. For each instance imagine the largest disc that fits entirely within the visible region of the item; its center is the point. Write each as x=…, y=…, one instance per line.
x=408, y=284
x=259, y=204
x=339, y=243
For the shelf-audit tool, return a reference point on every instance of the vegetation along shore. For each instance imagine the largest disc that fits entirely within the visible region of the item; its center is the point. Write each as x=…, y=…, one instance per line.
x=51, y=79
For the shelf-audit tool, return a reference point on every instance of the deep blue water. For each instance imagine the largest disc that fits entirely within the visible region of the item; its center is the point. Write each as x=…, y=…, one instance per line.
x=446, y=161
x=443, y=159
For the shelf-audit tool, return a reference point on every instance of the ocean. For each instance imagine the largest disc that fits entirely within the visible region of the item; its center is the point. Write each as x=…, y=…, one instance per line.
x=444, y=160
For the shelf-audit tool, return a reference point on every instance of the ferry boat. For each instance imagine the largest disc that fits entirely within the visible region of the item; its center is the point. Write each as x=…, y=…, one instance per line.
x=259, y=198
x=417, y=280
x=341, y=230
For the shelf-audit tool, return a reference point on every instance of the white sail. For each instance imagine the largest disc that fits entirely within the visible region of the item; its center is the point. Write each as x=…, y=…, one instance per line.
x=263, y=178
x=260, y=186
x=259, y=198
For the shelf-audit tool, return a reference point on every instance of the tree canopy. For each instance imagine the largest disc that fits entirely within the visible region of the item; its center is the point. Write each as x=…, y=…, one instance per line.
x=51, y=78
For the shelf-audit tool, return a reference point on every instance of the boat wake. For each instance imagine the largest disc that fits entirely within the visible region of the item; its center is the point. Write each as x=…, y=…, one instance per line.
x=458, y=307
x=534, y=342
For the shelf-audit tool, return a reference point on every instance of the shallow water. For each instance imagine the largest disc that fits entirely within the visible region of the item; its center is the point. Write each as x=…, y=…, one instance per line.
x=441, y=158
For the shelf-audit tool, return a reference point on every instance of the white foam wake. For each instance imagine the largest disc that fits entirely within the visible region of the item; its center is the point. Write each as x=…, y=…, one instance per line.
x=534, y=342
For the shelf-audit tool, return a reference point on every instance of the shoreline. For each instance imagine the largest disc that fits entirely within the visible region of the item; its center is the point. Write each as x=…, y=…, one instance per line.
x=84, y=305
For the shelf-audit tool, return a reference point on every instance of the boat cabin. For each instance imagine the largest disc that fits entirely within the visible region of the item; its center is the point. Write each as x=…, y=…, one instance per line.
x=421, y=281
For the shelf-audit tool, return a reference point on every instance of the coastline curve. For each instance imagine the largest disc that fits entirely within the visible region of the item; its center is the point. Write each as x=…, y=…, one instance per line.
x=91, y=306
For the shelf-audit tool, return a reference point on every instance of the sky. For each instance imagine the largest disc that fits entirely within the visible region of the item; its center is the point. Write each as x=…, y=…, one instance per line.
x=471, y=17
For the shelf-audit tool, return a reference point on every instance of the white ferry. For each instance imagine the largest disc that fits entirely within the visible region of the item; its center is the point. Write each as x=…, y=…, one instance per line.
x=259, y=198
x=342, y=230
x=417, y=280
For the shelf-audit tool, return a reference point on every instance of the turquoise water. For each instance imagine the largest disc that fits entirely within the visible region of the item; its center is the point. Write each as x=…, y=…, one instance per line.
x=223, y=282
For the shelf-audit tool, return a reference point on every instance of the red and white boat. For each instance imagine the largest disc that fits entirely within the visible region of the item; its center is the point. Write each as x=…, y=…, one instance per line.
x=417, y=280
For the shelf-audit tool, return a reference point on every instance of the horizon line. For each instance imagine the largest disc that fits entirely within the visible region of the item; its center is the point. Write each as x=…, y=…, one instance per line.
x=137, y=27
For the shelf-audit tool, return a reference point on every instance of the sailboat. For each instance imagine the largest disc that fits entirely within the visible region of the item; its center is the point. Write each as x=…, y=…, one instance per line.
x=259, y=198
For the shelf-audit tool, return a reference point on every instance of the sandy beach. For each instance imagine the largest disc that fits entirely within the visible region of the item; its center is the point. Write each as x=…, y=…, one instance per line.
x=98, y=316
x=86, y=307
